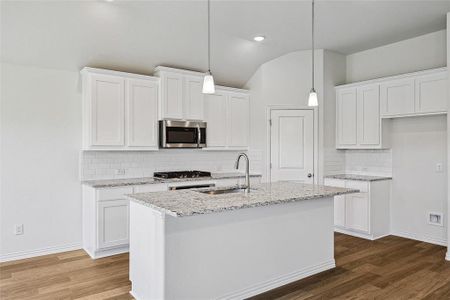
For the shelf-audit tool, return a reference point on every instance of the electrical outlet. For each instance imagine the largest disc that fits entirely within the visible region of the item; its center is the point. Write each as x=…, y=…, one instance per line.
x=18, y=229
x=120, y=171
x=435, y=218
x=439, y=168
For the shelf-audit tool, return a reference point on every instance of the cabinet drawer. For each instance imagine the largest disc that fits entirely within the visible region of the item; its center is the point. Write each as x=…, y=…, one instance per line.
x=113, y=193
x=362, y=186
x=334, y=182
x=150, y=188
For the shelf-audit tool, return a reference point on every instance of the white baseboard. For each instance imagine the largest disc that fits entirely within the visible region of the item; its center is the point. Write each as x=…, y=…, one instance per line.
x=39, y=252
x=426, y=239
x=107, y=252
x=280, y=281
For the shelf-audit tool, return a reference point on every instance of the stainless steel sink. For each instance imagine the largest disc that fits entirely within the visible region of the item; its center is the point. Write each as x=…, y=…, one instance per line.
x=224, y=191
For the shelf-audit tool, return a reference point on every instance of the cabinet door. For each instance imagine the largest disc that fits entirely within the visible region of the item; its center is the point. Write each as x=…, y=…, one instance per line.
x=216, y=118
x=113, y=223
x=142, y=113
x=107, y=110
x=357, y=212
x=238, y=121
x=368, y=106
x=172, y=96
x=339, y=211
x=346, y=118
x=431, y=93
x=193, y=98
x=397, y=97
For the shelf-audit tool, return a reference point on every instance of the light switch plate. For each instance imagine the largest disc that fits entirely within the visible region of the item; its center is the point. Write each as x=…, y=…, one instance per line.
x=439, y=168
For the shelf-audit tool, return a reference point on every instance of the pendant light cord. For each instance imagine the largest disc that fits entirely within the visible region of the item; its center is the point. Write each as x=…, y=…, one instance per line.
x=312, y=40
x=209, y=38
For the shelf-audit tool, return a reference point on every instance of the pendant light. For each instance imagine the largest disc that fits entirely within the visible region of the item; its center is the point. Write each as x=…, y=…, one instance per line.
x=208, y=81
x=312, y=100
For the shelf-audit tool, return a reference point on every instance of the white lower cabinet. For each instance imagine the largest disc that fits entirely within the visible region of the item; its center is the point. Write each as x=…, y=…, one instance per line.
x=364, y=214
x=106, y=218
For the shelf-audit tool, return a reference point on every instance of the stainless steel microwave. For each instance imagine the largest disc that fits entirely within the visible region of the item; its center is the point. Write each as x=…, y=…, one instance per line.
x=182, y=134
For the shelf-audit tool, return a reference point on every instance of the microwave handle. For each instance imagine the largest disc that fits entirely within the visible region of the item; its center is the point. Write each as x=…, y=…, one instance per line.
x=199, y=136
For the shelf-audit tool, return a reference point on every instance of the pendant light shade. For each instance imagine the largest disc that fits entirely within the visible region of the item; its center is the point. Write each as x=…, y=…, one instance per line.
x=312, y=100
x=208, y=81
x=208, y=84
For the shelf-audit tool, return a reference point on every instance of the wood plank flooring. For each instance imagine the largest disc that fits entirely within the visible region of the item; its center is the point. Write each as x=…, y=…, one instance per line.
x=390, y=268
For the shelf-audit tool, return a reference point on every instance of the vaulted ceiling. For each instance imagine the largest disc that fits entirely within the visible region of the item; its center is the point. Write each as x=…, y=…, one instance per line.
x=136, y=36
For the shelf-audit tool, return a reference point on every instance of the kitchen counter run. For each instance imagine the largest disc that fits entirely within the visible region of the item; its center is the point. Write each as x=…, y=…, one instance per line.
x=358, y=177
x=182, y=203
x=106, y=183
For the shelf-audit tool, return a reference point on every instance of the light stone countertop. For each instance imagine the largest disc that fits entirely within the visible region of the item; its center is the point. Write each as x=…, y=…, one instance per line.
x=358, y=177
x=181, y=203
x=105, y=183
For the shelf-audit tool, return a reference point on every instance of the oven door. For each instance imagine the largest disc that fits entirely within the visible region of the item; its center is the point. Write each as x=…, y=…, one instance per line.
x=182, y=134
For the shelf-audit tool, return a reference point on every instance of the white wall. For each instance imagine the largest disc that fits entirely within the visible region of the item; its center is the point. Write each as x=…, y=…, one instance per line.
x=418, y=144
x=334, y=74
x=40, y=140
x=284, y=81
x=417, y=188
x=419, y=53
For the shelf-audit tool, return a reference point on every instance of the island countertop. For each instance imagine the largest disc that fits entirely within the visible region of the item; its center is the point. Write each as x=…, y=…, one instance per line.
x=181, y=203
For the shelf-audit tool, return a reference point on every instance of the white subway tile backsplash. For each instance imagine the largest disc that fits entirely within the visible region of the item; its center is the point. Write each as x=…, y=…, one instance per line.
x=376, y=162
x=103, y=164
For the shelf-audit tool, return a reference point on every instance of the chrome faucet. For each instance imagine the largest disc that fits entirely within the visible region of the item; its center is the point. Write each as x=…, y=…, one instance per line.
x=247, y=172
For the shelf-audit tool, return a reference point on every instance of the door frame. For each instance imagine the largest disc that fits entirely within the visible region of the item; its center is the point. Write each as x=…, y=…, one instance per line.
x=269, y=110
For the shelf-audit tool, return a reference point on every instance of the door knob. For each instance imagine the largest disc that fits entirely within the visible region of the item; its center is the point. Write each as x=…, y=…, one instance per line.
x=310, y=175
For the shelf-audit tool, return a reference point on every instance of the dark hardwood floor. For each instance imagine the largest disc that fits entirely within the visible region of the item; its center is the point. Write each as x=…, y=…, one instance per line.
x=390, y=268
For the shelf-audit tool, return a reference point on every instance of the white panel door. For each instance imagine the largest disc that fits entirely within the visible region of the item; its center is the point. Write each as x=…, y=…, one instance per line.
x=216, y=119
x=142, y=113
x=238, y=121
x=292, y=145
x=193, y=98
x=431, y=93
x=357, y=212
x=397, y=97
x=347, y=117
x=113, y=223
x=172, y=96
x=368, y=106
x=107, y=111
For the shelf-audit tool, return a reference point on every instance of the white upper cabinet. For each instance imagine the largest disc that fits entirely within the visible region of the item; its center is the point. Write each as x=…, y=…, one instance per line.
x=171, y=95
x=194, y=98
x=181, y=96
x=227, y=118
x=431, y=93
x=119, y=110
x=238, y=120
x=397, y=97
x=368, y=115
x=107, y=107
x=346, y=117
x=363, y=109
x=142, y=113
x=216, y=119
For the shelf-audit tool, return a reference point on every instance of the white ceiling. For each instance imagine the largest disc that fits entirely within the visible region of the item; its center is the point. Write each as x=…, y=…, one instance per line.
x=136, y=36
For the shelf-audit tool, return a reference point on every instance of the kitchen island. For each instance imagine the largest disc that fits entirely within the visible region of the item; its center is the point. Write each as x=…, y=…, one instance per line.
x=188, y=244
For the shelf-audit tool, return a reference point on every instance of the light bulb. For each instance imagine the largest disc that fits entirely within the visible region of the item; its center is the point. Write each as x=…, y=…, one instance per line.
x=312, y=100
x=208, y=84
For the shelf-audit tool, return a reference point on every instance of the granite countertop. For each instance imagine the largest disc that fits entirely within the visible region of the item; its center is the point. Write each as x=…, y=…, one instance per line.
x=103, y=183
x=358, y=177
x=182, y=203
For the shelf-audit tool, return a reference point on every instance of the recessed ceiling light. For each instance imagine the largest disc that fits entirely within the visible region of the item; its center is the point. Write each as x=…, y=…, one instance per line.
x=109, y=0
x=259, y=38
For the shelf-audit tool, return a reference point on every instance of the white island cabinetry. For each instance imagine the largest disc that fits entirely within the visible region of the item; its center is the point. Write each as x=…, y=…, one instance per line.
x=189, y=245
